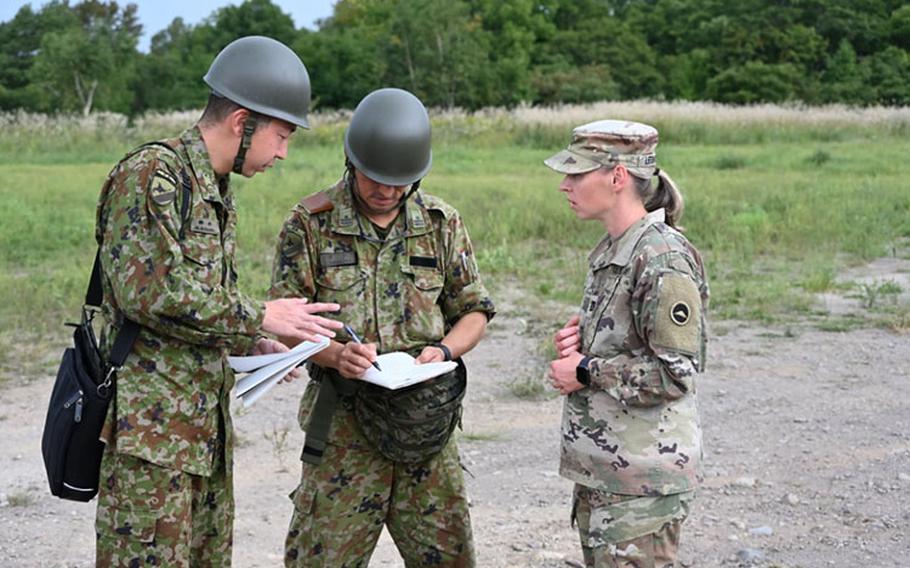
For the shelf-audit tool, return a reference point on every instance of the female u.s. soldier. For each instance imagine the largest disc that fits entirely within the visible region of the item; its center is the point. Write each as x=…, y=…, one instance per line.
x=631, y=440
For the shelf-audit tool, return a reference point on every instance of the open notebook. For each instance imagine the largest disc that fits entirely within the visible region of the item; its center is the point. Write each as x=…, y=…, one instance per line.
x=400, y=370
x=266, y=370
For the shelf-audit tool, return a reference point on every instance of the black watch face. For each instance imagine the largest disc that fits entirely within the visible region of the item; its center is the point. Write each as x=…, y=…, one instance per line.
x=582, y=375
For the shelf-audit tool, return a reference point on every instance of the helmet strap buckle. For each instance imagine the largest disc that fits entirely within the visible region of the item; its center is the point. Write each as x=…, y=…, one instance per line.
x=246, y=139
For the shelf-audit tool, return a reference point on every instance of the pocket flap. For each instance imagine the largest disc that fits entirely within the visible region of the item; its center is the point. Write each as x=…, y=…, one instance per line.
x=135, y=524
x=424, y=278
x=340, y=278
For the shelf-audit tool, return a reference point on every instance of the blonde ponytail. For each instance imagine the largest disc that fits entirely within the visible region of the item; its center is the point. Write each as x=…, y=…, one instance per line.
x=666, y=195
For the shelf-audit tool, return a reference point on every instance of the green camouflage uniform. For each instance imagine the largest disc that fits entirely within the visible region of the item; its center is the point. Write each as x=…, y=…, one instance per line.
x=632, y=441
x=402, y=293
x=166, y=495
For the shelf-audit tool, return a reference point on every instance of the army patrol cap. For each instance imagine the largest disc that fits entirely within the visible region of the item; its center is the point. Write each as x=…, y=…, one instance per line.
x=263, y=75
x=606, y=143
x=388, y=139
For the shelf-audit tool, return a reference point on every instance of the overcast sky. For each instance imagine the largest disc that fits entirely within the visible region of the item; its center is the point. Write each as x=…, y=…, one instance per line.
x=155, y=15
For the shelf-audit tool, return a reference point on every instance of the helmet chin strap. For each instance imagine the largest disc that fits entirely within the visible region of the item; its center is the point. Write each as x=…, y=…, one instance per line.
x=414, y=187
x=249, y=125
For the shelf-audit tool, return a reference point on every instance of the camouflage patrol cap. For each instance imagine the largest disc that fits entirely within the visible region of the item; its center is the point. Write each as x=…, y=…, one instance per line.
x=606, y=143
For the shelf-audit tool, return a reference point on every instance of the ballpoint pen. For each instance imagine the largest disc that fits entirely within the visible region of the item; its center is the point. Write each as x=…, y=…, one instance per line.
x=356, y=339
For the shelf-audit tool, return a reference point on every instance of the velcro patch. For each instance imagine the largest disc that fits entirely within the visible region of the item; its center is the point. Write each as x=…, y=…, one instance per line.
x=426, y=261
x=330, y=259
x=677, y=323
x=204, y=225
x=162, y=189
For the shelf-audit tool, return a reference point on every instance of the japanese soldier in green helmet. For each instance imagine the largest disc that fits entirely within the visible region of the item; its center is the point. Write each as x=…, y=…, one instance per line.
x=401, y=266
x=166, y=224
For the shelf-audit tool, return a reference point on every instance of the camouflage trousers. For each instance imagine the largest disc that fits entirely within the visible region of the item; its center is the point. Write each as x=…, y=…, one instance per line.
x=342, y=505
x=154, y=516
x=629, y=531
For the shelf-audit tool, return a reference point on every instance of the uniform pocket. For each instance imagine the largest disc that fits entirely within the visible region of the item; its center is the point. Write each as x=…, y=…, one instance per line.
x=421, y=296
x=132, y=524
x=605, y=322
x=304, y=497
x=343, y=285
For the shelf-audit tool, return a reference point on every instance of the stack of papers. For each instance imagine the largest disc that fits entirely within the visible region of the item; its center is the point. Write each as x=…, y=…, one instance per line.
x=266, y=370
x=400, y=370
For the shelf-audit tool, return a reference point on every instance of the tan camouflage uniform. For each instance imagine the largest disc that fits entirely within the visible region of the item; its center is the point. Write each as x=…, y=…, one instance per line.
x=631, y=441
x=635, y=431
x=401, y=293
x=166, y=495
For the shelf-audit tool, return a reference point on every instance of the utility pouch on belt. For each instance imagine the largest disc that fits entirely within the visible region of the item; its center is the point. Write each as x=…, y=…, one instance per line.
x=409, y=425
x=412, y=424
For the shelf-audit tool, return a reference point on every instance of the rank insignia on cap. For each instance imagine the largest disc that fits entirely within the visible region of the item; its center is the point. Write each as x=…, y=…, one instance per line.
x=680, y=313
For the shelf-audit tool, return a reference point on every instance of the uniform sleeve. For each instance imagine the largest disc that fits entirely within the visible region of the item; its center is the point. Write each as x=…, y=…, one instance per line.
x=463, y=291
x=668, y=310
x=152, y=281
x=292, y=270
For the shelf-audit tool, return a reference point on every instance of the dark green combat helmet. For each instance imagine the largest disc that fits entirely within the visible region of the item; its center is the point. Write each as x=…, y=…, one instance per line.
x=388, y=139
x=263, y=75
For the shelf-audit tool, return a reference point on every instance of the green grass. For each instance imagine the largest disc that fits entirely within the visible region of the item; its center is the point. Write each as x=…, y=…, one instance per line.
x=777, y=212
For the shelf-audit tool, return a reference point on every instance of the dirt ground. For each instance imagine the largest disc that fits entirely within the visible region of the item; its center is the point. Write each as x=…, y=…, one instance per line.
x=807, y=453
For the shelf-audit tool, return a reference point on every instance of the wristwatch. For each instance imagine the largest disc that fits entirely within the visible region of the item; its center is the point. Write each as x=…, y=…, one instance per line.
x=581, y=372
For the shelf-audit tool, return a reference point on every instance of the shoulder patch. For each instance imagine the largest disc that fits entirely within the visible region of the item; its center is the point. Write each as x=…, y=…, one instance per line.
x=162, y=188
x=317, y=203
x=677, y=323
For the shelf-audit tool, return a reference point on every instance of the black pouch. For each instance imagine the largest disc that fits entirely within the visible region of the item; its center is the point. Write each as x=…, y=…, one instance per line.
x=413, y=424
x=70, y=444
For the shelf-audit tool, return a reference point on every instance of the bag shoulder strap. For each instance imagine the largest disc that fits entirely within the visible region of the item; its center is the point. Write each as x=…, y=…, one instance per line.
x=126, y=337
x=94, y=295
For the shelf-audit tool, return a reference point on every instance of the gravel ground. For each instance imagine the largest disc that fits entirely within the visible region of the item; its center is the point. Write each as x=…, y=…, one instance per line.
x=807, y=437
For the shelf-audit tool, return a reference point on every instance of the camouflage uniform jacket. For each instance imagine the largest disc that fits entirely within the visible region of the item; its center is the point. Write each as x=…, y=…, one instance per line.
x=401, y=293
x=635, y=429
x=176, y=279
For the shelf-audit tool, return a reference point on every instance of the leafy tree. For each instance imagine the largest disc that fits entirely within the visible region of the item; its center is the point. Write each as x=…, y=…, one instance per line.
x=754, y=82
x=844, y=79
x=20, y=42
x=899, y=27
x=90, y=62
x=889, y=75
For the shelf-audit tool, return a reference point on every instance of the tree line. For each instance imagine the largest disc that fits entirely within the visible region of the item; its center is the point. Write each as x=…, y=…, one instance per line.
x=476, y=53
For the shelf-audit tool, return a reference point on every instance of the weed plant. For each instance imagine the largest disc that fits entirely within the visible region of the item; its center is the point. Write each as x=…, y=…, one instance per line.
x=778, y=199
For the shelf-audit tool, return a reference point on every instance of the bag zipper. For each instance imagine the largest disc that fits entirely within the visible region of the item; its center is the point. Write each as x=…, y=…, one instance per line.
x=78, y=401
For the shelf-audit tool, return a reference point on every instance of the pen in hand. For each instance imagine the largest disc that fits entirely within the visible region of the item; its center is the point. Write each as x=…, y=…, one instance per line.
x=356, y=339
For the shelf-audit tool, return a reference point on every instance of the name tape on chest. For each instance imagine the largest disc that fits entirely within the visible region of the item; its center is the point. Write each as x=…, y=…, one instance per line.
x=331, y=259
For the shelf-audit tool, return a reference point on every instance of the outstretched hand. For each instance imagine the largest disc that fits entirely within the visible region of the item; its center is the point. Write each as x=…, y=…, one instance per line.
x=293, y=319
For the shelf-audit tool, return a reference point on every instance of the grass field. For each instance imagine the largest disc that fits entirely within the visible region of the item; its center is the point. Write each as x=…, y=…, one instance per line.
x=778, y=203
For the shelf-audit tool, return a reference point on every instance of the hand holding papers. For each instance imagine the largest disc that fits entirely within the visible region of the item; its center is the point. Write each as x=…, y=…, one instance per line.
x=400, y=370
x=266, y=370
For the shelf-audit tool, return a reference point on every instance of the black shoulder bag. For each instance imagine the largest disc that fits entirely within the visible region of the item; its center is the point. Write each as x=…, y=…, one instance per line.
x=71, y=443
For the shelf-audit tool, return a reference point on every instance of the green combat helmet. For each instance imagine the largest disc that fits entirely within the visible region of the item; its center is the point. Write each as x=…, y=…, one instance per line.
x=262, y=75
x=388, y=139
